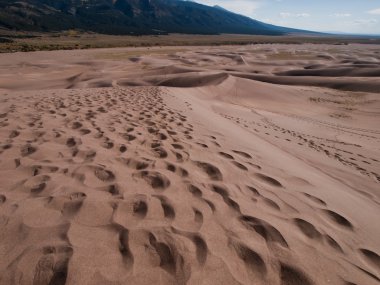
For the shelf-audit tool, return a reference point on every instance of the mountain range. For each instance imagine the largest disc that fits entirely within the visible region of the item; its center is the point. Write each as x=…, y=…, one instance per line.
x=135, y=17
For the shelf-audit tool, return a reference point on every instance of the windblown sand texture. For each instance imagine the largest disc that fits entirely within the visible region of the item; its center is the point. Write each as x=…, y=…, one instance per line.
x=194, y=165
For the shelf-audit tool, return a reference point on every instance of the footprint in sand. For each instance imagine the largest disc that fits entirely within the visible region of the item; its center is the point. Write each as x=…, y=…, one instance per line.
x=27, y=149
x=223, y=192
x=240, y=165
x=212, y=171
x=242, y=153
x=195, y=191
x=140, y=207
x=3, y=198
x=167, y=207
x=74, y=203
x=104, y=174
x=155, y=179
x=291, y=276
x=124, y=249
x=307, y=229
x=337, y=219
x=268, y=232
x=333, y=243
x=52, y=267
x=315, y=199
x=226, y=155
x=269, y=180
x=371, y=257
x=177, y=169
x=253, y=262
x=37, y=184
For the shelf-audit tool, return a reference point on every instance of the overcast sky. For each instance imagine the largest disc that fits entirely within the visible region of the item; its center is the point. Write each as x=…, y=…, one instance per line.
x=350, y=16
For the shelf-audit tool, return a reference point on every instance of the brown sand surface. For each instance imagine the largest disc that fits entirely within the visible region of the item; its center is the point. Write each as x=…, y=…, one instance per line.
x=198, y=165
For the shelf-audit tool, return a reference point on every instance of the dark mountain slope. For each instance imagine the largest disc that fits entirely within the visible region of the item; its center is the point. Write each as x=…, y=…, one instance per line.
x=129, y=17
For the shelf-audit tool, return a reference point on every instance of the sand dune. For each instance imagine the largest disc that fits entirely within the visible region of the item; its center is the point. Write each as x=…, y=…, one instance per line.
x=224, y=167
x=346, y=84
x=335, y=72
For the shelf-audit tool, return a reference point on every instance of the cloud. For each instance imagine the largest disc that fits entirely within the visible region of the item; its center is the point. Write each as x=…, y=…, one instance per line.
x=366, y=22
x=294, y=15
x=374, y=11
x=341, y=15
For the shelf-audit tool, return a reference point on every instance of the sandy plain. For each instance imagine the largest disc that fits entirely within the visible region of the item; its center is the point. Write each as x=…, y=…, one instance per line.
x=255, y=164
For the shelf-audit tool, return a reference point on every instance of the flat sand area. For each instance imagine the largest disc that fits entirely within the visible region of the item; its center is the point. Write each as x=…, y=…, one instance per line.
x=227, y=165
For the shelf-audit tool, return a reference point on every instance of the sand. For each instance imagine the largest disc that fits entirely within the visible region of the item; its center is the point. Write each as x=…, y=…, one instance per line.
x=200, y=165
